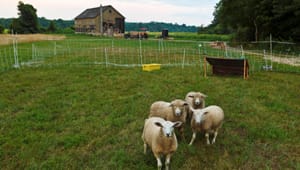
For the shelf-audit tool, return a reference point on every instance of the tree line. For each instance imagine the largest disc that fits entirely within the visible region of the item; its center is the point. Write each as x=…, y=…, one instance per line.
x=255, y=20
x=246, y=20
x=159, y=26
x=58, y=25
x=29, y=22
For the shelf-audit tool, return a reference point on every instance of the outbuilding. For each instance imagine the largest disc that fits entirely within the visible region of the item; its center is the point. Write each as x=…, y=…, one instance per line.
x=104, y=20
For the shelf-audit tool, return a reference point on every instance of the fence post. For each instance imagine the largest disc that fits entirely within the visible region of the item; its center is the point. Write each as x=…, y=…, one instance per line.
x=1, y=62
x=32, y=51
x=54, y=48
x=200, y=55
x=15, y=46
x=105, y=57
x=141, y=56
x=183, y=58
x=204, y=67
x=245, y=69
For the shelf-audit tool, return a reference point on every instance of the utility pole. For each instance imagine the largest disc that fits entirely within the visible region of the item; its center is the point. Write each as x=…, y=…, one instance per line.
x=101, y=20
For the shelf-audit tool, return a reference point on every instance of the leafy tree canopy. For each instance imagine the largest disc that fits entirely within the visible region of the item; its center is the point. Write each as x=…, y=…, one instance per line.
x=1, y=29
x=52, y=27
x=27, y=21
x=253, y=20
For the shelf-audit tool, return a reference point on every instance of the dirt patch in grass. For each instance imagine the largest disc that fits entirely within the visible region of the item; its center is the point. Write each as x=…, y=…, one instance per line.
x=293, y=61
x=7, y=39
x=284, y=59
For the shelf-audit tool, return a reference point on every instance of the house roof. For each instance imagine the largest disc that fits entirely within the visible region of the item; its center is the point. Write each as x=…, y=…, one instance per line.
x=94, y=12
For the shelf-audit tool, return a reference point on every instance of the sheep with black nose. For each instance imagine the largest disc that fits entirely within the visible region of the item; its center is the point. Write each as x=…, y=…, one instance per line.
x=159, y=135
x=207, y=120
x=173, y=111
x=196, y=100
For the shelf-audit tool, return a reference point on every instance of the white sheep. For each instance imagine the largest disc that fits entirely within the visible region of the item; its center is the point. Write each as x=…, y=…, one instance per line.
x=159, y=135
x=208, y=120
x=174, y=111
x=196, y=100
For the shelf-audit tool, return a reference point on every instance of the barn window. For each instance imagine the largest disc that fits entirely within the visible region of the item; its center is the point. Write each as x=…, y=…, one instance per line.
x=109, y=11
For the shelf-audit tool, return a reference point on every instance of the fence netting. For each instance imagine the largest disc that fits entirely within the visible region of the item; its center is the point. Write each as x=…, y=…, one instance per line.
x=262, y=56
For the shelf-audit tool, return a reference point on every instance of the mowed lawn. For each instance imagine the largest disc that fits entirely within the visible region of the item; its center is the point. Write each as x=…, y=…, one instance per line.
x=91, y=117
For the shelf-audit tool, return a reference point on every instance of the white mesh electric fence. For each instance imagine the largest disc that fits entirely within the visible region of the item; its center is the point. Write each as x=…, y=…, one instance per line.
x=134, y=53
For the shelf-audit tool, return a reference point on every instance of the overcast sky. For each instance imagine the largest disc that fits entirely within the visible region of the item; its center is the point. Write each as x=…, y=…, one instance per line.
x=189, y=12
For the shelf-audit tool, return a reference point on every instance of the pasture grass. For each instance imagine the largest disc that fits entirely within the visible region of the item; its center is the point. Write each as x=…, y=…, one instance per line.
x=91, y=117
x=88, y=49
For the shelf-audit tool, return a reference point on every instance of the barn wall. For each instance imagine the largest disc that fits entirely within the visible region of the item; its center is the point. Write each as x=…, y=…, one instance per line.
x=113, y=22
x=86, y=25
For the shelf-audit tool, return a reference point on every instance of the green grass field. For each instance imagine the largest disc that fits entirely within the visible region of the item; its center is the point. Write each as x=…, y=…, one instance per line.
x=92, y=118
x=92, y=50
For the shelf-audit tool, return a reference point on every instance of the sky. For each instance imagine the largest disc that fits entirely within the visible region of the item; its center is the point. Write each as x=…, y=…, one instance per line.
x=189, y=12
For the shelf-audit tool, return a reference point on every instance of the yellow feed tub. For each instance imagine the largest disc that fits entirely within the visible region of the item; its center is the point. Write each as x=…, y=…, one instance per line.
x=151, y=67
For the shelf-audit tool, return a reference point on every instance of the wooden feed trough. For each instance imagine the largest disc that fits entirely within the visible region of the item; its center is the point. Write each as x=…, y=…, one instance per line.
x=226, y=66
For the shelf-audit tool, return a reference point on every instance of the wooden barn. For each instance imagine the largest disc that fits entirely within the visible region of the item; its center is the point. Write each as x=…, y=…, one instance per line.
x=104, y=20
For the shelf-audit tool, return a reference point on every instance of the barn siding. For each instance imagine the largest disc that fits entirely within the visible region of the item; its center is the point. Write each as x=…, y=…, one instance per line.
x=110, y=23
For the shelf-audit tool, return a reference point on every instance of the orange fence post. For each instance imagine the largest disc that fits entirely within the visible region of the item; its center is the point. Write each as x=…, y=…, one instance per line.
x=245, y=69
x=205, y=67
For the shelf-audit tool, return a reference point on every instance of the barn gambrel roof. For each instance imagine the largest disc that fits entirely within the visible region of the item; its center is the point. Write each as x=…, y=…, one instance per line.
x=94, y=12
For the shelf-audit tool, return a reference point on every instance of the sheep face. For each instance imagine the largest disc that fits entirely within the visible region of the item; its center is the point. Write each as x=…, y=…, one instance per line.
x=197, y=99
x=199, y=115
x=167, y=127
x=178, y=107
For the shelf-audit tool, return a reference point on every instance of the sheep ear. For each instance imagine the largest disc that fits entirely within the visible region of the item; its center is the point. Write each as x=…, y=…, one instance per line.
x=158, y=124
x=177, y=124
x=205, y=113
x=203, y=95
x=171, y=105
x=185, y=104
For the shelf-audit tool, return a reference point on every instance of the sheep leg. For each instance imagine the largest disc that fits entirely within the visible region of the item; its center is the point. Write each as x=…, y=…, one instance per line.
x=181, y=130
x=159, y=164
x=215, y=136
x=207, y=138
x=145, y=148
x=168, y=160
x=193, y=138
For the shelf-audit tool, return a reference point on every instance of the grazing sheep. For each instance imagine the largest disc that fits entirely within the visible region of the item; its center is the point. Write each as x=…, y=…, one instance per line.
x=159, y=135
x=196, y=100
x=174, y=111
x=208, y=120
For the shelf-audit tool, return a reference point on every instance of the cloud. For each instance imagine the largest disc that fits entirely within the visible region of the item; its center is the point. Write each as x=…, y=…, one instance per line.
x=172, y=11
x=146, y=11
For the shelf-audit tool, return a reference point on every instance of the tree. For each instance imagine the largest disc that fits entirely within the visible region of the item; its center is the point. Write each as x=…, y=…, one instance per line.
x=287, y=19
x=256, y=19
x=15, y=26
x=52, y=27
x=1, y=29
x=27, y=21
